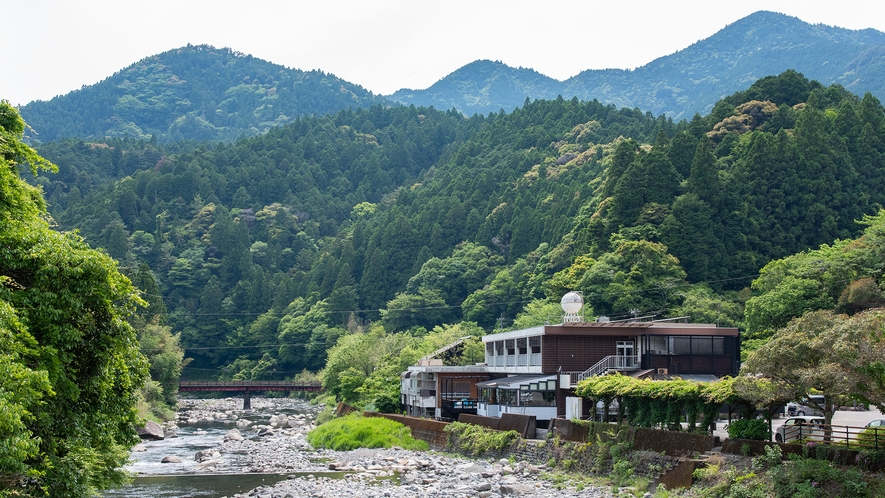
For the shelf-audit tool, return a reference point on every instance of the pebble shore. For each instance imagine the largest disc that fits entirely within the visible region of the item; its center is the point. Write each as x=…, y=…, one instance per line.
x=280, y=447
x=395, y=473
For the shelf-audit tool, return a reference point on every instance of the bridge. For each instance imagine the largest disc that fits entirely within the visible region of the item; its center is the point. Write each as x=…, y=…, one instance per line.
x=247, y=387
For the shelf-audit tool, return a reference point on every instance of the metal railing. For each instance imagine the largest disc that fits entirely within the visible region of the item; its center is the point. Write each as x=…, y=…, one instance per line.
x=255, y=385
x=849, y=436
x=613, y=362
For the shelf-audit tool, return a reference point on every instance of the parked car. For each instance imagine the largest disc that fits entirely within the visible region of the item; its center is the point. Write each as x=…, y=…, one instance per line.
x=879, y=422
x=804, y=427
x=806, y=406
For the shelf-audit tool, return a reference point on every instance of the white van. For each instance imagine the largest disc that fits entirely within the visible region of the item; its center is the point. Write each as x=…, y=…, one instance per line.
x=806, y=406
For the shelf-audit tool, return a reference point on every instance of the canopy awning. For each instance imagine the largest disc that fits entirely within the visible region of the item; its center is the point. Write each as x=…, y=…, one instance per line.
x=514, y=382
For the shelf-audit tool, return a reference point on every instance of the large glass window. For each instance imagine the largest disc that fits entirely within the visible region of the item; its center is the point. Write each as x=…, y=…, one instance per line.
x=521, y=346
x=509, y=397
x=538, y=398
x=680, y=345
x=701, y=345
x=657, y=345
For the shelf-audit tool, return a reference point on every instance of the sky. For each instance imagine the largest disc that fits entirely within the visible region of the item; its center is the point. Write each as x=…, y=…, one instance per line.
x=52, y=47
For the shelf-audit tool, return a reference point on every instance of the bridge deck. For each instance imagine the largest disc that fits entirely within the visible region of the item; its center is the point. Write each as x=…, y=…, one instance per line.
x=248, y=386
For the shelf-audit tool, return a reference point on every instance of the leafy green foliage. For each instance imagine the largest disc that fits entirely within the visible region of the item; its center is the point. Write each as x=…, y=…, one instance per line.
x=72, y=357
x=830, y=354
x=754, y=429
x=355, y=431
x=476, y=439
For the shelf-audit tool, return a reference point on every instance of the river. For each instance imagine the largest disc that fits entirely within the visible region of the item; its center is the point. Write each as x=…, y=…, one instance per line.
x=202, y=426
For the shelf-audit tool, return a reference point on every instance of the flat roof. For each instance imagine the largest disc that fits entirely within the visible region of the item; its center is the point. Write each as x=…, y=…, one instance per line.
x=515, y=334
x=514, y=382
x=450, y=369
x=639, y=328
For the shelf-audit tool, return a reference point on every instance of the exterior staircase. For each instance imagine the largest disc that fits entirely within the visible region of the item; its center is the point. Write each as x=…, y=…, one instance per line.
x=614, y=362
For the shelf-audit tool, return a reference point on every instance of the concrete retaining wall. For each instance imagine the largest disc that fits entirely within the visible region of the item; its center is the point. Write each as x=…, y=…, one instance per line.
x=432, y=431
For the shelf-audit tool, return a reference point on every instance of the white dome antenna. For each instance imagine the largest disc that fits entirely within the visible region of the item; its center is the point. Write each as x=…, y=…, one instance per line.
x=572, y=303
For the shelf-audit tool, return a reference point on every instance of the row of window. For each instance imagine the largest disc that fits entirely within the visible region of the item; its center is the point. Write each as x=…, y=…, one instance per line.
x=514, y=346
x=685, y=345
x=513, y=397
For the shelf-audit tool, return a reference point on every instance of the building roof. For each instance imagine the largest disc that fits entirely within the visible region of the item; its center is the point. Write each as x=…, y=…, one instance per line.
x=514, y=382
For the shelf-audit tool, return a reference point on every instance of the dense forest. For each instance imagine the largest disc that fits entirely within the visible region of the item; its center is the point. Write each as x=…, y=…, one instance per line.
x=192, y=93
x=269, y=251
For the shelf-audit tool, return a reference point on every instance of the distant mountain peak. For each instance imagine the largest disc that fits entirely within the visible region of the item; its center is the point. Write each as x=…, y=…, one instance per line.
x=218, y=94
x=690, y=80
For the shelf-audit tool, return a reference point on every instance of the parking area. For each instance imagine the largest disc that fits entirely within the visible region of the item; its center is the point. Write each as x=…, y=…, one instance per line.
x=844, y=418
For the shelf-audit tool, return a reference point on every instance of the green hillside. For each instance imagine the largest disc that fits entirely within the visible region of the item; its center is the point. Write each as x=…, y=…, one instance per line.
x=194, y=93
x=270, y=249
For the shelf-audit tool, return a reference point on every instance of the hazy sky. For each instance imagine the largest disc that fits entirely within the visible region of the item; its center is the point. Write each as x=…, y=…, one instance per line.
x=54, y=47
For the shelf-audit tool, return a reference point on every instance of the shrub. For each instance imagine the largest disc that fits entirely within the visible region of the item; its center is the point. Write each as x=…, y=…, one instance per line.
x=355, y=431
x=810, y=477
x=874, y=437
x=477, y=439
x=753, y=429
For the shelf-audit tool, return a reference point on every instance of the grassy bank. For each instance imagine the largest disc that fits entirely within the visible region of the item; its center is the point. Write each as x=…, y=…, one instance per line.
x=355, y=431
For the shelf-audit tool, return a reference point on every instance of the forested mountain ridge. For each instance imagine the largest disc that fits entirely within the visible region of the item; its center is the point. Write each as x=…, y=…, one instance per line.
x=274, y=247
x=686, y=82
x=193, y=92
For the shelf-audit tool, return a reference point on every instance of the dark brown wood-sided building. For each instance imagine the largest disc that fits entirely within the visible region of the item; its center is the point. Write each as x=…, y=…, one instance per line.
x=574, y=351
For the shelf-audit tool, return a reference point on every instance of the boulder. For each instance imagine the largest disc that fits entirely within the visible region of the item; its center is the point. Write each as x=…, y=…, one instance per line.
x=233, y=435
x=170, y=459
x=151, y=431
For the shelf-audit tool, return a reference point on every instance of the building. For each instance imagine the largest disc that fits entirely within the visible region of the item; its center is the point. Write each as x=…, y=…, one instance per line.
x=534, y=371
x=433, y=390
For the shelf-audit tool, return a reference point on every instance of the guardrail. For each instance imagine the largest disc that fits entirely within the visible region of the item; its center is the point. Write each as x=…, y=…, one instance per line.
x=849, y=436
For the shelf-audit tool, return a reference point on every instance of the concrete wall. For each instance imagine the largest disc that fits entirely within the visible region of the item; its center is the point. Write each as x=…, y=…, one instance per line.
x=432, y=431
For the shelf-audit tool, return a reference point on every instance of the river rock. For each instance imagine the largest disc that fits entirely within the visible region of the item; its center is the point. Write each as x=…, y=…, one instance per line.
x=170, y=459
x=139, y=448
x=233, y=435
x=151, y=431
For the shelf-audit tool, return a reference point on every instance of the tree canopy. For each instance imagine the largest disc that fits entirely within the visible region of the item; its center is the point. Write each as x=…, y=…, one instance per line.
x=70, y=360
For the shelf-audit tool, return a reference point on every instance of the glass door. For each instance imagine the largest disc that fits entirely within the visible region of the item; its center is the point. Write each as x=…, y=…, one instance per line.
x=626, y=354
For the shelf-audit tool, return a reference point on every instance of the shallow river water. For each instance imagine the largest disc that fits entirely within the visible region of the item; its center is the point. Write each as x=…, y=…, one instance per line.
x=155, y=479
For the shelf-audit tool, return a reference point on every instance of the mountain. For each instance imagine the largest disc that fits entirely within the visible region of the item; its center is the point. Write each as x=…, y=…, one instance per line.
x=194, y=92
x=684, y=83
x=480, y=86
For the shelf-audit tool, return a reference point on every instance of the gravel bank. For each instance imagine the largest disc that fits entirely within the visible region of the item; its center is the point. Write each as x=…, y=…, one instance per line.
x=279, y=445
x=397, y=473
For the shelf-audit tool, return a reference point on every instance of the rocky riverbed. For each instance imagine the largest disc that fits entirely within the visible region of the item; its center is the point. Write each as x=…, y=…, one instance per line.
x=401, y=473
x=276, y=443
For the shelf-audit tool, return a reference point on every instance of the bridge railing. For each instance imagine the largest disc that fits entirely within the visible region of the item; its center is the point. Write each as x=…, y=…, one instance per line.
x=251, y=383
